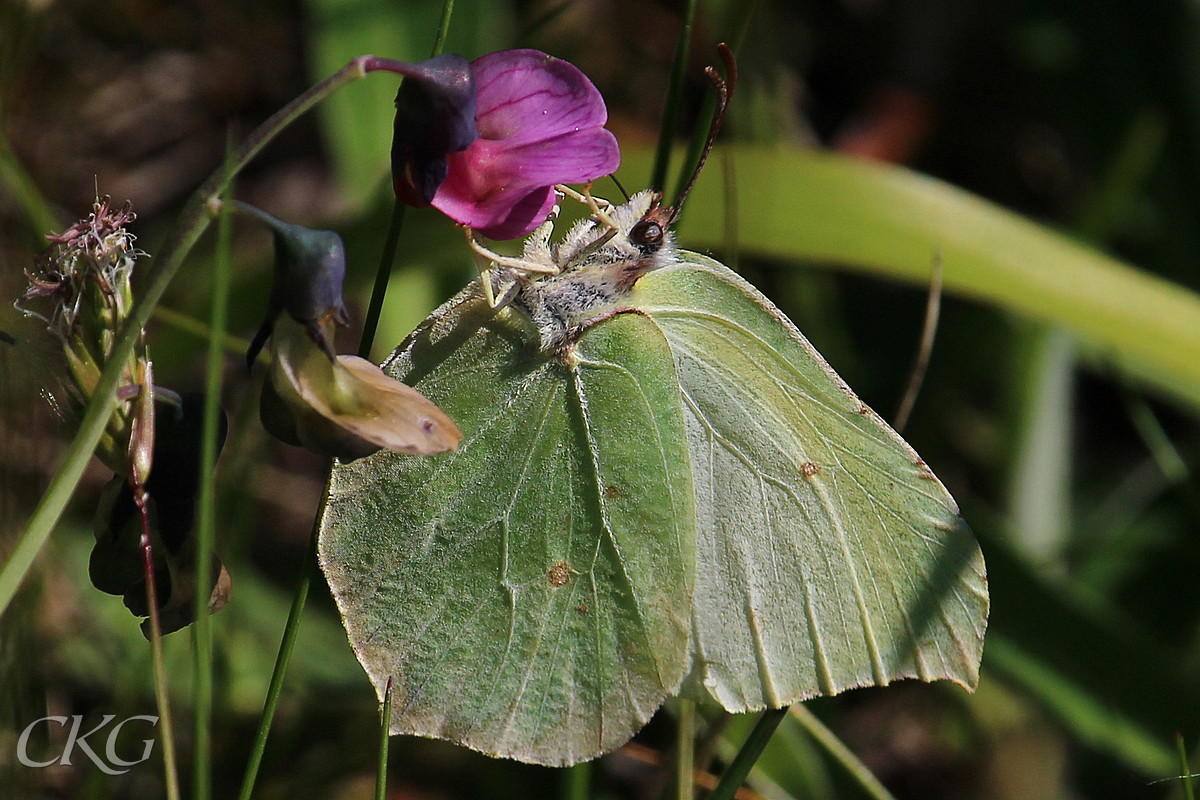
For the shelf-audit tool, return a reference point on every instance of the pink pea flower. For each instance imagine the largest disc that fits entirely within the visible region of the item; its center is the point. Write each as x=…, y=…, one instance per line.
x=539, y=122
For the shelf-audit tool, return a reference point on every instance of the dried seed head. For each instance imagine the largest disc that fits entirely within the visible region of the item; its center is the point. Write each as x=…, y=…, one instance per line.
x=96, y=254
x=81, y=287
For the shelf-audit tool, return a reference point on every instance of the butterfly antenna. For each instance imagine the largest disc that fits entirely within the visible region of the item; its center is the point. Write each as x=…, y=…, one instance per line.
x=620, y=186
x=724, y=87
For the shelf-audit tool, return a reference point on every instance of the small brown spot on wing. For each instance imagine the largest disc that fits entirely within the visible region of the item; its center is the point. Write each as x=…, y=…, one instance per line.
x=611, y=492
x=808, y=469
x=559, y=574
x=582, y=608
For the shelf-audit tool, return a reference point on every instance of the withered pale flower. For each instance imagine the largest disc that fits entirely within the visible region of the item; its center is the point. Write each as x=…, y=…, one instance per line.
x=345, y=406
x=341, y=406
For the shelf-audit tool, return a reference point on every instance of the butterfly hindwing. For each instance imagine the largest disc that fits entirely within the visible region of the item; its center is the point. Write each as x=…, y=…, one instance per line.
x=828, y=555
x=529, y=595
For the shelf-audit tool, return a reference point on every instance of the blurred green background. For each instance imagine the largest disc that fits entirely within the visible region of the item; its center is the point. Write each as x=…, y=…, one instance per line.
x=1060, y=407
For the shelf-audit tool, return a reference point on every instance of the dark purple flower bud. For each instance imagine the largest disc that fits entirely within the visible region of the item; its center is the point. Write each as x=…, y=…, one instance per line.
x=435, y=115
x=540, y=123
x=310, y=267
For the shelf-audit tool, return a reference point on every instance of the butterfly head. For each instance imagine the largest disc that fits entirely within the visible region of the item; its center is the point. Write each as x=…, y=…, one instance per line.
x=637, y=235
x=589, y=275
x=632, y=239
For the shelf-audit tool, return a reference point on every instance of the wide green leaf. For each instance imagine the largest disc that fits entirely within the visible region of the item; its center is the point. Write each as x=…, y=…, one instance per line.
x=828, y=554
x=529, y=595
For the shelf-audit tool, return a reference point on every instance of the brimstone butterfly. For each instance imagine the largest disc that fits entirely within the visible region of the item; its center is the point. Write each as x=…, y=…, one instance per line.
x=662, y=488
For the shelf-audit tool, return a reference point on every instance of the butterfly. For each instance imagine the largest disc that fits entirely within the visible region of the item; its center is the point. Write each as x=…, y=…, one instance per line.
x=662, y=488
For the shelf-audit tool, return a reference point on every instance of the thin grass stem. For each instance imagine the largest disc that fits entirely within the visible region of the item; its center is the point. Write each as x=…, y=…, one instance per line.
x=685, y=750
x=383, y=276
x=439, y=41
x=916, y=377
x=1164, y=452
x=286, y=645
x=385, y=724
x=234, y=345
x=670, y=119
x=735, y=775
x=166, y=728
x=836, y=748
x=577, y=781
x=24, y=190
x=1185, y=768
x=202, y=674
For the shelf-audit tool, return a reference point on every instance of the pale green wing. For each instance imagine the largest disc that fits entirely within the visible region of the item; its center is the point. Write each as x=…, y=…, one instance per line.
x=529, y=595
x=828, y=555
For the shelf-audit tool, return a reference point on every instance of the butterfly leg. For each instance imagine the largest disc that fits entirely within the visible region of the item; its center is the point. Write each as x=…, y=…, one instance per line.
x=537, y=245
x=486, y=258
x=598, y=205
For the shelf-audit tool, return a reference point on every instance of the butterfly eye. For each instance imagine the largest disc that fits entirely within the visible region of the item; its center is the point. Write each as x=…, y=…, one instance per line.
x=646, y=233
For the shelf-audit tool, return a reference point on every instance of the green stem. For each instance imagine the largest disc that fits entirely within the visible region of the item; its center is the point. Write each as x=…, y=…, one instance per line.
x=670, y=120
x=385, y=724
x=1164, y=452
x=234, y=345
x=439, y=41
x=165, y=727
x=206, y=524
x=25, y=191
x=192, y=223
x=842, y=754
x=685, y=750
x=752, y=748
x=1186, y=769
x=286, y=645
x=382, y=275
x=577, y=781
x=916, y=376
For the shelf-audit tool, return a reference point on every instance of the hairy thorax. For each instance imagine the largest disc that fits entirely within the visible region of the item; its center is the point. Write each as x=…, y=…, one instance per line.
x=597, y=266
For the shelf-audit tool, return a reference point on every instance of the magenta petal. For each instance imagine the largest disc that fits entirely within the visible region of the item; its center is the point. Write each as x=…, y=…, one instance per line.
x=526, y=95
x=576, y=157
x=523, y=217
x=488, y=167
x=540, y=123
x=500, y=212
x=488, y=180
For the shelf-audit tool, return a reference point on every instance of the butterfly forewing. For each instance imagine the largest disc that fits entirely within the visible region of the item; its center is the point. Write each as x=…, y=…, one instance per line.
x=828, y=555
x=528, y=595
